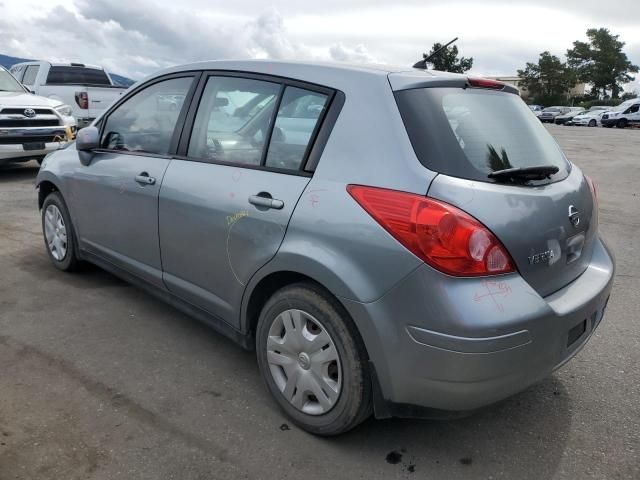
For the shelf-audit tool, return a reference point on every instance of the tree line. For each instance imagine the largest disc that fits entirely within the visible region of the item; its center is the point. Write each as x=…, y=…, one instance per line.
x=599, y=62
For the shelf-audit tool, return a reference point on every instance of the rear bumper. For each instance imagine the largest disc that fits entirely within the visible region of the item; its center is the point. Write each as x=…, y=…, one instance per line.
x=460, y=344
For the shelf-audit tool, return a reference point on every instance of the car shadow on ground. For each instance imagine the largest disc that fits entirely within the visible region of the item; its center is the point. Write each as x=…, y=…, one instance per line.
x=524, y=436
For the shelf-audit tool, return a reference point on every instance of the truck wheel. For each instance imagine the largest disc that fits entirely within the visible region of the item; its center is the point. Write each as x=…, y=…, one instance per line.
x=622, y=123
x=313, y=360
x=59, y=238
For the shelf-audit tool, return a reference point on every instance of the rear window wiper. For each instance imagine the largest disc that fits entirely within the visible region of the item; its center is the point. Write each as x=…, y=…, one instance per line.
x=539, y=172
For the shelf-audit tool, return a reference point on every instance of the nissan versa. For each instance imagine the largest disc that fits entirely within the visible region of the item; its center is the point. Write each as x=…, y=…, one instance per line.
x=390, y=241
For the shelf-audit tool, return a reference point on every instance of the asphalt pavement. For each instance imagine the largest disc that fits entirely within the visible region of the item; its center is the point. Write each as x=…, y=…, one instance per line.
x=98, y=380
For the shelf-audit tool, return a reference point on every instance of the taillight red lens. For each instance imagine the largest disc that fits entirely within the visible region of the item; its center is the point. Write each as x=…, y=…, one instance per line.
x=82, y=99
x=485, y=83
x=442, y=235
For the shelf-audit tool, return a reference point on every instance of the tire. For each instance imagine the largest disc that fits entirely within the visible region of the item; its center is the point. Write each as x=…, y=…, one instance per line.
x=622, y=123
x=62, y=249
x=319, y=318
x=593, y=123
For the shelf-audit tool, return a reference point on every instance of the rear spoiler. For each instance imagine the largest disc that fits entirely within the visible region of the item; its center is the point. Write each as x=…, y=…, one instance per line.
x=419, y=79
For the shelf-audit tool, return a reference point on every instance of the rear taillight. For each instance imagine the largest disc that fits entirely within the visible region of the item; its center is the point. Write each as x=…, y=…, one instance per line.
x=82, y=99
x=442, y=235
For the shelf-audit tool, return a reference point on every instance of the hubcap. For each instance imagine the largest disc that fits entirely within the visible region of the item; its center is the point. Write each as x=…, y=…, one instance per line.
x=304, y=362
x=55, y=232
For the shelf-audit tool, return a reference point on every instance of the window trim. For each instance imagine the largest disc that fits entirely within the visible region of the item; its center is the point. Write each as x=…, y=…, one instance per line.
x=178, y=127
x=306, y=168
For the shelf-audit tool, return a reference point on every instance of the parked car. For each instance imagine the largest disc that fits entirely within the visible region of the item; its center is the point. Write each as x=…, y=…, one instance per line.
x=599, y=107
x=588, y=119
x=387, y=241
x=625, y=114
x=549, y=114
x=565, y=118
x=87, y=88
x=30, y=126
x=537, y=109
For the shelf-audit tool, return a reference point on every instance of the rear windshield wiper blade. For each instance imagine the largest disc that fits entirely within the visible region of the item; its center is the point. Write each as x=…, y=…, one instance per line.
x=539, y=172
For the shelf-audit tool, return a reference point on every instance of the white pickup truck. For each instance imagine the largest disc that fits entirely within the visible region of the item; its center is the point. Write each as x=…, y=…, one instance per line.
x=87, y=88
x=31, y=126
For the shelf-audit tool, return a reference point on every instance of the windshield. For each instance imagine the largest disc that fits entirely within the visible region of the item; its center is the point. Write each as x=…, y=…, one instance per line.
x=469, y=133
x=8, y=83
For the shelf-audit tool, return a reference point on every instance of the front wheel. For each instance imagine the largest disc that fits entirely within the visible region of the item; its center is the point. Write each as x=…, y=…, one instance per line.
x=313, y=360
x=622, y=123
x=59, y=238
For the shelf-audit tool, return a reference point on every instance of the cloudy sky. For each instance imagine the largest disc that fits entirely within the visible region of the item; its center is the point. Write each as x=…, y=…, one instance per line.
x=137, y=37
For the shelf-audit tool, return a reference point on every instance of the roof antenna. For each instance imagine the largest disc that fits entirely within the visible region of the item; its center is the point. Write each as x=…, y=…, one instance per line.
x=422, y=64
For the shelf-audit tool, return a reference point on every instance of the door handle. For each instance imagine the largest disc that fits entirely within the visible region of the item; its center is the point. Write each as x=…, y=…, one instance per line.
x=145, y=179
x=266, y=201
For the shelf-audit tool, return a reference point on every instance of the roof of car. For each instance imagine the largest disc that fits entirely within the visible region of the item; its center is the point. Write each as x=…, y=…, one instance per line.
x=332, y=74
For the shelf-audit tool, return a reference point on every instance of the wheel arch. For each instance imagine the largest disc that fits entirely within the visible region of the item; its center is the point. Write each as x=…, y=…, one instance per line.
x=261, y=289
x=45, y=187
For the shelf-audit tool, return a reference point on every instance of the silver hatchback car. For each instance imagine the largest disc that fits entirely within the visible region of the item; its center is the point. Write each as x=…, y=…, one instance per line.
x=389, y=240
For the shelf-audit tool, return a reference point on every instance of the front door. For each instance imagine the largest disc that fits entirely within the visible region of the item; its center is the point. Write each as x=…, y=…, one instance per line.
x=224, y=207
x=119, y=189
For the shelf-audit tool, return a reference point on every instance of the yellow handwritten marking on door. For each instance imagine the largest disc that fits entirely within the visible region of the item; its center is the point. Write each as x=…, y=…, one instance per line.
x=231, y=219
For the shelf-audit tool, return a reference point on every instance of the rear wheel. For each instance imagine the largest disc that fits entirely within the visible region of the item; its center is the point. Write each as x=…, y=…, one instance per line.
x=592, y=123
x=313, y=361
x=59, y=238
x=622, y=123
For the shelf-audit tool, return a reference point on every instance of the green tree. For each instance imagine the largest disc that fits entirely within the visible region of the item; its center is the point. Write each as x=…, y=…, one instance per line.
x=447, y=60
x=601, y=62
x=547, y=81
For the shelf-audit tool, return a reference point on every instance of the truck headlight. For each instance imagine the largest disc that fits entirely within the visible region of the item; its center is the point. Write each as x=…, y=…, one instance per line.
x=64, y=110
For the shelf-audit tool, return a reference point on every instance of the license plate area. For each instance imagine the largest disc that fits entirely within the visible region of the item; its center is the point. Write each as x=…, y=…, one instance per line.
x=33, y=146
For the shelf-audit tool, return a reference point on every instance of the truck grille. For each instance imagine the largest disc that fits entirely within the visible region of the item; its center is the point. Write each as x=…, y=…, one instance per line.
x=20, y=111
x=14, y=117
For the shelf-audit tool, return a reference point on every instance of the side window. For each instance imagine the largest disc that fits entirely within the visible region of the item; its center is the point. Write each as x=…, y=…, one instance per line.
x=233, y=120
x=296, y=121
x=30, y=75
x=146, y=121
x=633, y=109
x=17, y=72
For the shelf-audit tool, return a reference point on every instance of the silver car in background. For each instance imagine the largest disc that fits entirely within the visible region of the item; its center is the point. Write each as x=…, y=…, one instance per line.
x=389, y=240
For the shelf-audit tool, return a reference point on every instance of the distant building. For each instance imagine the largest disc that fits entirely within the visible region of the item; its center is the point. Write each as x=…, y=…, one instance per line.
x=577, y=90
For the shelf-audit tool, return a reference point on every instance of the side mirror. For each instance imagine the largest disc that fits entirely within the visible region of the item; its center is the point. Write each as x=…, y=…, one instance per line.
x=87, y=140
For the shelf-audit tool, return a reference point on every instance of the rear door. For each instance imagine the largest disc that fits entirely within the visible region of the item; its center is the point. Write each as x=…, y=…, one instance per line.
x=119, y=189
x=225, y=204
x=547, y=225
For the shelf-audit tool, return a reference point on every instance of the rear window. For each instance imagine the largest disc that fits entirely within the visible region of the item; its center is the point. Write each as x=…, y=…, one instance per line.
x=78, y=75
x=469, y=133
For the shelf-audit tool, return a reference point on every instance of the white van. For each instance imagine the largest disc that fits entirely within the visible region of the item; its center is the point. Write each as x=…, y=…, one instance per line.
x=625, y=114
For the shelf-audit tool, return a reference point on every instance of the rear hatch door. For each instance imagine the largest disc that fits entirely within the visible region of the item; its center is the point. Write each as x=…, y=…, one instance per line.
x=547, y=224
